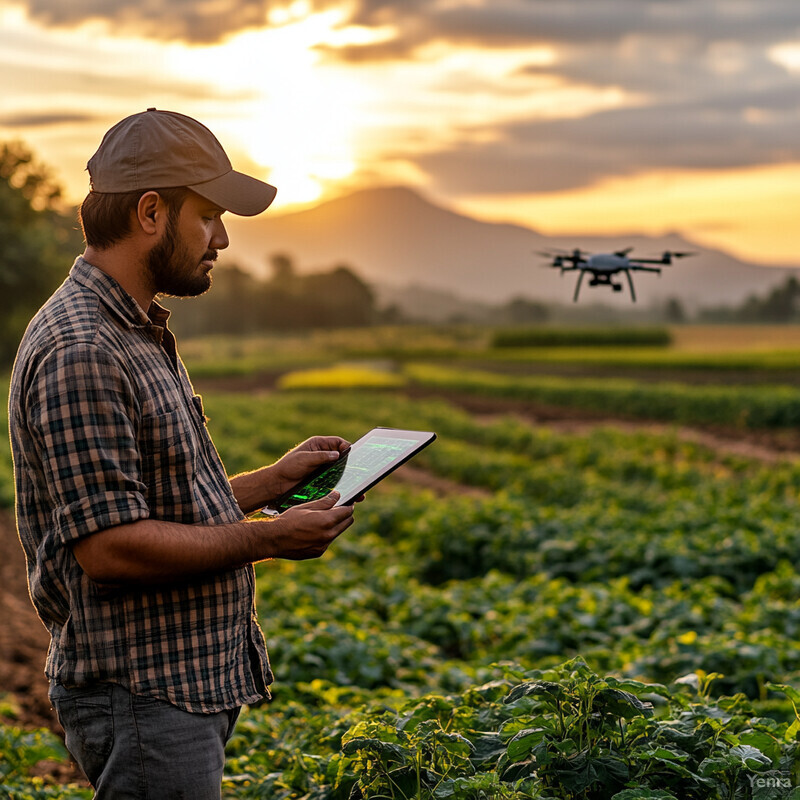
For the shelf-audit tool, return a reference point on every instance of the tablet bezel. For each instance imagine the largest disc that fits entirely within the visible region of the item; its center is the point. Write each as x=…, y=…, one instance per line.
x=423, y=439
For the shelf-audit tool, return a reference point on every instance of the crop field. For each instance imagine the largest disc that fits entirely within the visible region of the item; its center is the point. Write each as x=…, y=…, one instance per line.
x=525, y=612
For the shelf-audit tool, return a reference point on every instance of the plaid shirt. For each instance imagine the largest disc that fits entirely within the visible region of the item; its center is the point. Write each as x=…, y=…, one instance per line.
x=106, y=430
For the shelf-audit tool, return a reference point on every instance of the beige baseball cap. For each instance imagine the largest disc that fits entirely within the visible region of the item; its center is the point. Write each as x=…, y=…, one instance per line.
x=163, y=149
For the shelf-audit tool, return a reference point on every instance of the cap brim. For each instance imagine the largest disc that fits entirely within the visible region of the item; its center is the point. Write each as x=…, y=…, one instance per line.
x=238, y=193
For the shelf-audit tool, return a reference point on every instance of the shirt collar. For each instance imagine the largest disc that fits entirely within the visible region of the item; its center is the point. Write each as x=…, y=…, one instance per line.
x=116, y=299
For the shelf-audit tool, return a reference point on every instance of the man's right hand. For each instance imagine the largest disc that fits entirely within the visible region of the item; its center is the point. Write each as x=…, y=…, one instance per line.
x=306, y=531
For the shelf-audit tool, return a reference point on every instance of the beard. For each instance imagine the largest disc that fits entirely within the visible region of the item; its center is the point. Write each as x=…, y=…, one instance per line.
x=173, y=270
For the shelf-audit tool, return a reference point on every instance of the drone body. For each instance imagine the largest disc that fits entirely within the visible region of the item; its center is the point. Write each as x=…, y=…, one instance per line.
x=604, y=266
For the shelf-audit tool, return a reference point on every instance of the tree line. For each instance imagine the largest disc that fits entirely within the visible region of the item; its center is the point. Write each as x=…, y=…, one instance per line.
x=242, y=303
x=40, y=237
x=779, y=305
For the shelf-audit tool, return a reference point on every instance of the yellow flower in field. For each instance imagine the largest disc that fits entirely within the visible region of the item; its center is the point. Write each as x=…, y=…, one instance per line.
x=341, y=377
x=690, y=637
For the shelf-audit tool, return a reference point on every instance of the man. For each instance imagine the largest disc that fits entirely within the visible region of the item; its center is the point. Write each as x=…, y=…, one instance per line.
x=139, y=555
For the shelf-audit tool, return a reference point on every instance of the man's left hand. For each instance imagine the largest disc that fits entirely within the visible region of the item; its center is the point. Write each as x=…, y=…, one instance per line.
x=305, y=458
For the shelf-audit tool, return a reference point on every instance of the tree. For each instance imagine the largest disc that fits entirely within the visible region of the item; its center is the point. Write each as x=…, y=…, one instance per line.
x=522, y=310
x=37, y=241
x=283, y=272
x=781, y=304
x=339, y=298
x=673, y=311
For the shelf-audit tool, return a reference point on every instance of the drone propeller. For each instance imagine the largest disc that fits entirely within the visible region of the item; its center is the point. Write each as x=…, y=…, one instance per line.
x=668, y=255
x=560, y=251
x=563, y=259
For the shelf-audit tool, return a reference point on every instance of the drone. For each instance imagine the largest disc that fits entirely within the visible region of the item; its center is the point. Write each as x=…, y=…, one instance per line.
x=604, y=266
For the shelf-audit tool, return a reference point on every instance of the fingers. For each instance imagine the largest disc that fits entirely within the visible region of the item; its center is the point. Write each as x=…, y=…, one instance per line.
x=313, y=453
x=317, y=443
x=306, y=531
x=329, y=501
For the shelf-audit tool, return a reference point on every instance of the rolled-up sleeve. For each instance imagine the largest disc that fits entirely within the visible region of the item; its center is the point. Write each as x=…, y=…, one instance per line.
x=83, y=418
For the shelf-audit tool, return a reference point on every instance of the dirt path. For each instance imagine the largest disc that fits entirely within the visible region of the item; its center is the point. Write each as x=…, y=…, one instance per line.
x=23, y=638
x=23, y=647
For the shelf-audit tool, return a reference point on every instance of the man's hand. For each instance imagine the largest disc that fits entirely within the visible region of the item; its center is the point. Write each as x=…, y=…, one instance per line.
x=303, y=459
x=306, y=531
x=253, y=490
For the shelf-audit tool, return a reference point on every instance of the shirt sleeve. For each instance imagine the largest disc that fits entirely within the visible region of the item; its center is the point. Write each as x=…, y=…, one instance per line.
x=82, y=414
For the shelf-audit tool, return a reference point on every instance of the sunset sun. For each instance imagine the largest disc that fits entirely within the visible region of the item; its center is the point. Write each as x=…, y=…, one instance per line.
x=297, y=118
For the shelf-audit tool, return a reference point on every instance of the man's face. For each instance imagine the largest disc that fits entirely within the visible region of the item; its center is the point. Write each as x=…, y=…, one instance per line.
x=180, y=263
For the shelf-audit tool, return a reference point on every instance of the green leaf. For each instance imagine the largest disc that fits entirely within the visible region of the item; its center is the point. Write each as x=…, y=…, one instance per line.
x=546, y=689
x=521, y=745
x=792, y=693
x=622, y=704
x=479, y=786
x=488, y=749
x=766, y=743
x=718, y=765
x=751, y=757
x=661, y=754
x=639, y=687
x=643, y=794
x=387, y=750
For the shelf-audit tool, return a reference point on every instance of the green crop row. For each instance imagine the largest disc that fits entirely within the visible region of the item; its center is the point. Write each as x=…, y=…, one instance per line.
x=543, y=336
x=572, y=544
x=558, y=734
x=746, y=407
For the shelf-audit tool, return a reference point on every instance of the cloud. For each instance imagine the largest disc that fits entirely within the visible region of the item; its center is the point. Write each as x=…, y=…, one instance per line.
x=496, y=23
x=699, y=87
x=43, y=119
x=564, y=154
x=200, y=21
x=487, y=23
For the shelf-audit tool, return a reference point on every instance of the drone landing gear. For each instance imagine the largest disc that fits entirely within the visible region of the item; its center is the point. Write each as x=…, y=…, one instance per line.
x=630, y=283
x=578, y=286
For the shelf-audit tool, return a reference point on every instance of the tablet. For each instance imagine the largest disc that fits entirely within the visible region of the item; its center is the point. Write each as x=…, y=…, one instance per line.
x=366, y=462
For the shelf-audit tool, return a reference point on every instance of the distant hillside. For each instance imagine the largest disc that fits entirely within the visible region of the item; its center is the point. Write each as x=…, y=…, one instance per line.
x=394, y=237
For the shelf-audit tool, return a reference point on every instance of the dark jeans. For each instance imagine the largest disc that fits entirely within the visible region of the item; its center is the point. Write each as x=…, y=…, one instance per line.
x=143, y=748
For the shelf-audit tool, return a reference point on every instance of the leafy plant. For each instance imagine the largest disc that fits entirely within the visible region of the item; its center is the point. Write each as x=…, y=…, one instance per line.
x=20, y=752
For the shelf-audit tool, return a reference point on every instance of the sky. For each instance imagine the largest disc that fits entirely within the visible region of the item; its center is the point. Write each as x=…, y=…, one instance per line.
x=568, y=116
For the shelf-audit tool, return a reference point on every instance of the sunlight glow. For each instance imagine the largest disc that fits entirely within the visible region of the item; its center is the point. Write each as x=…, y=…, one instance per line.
x=299, y=120
x=750, y=213
x=787, y=55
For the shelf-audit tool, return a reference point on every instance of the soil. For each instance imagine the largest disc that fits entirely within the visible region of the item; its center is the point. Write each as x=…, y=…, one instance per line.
x=24, y=640
x=23, y=647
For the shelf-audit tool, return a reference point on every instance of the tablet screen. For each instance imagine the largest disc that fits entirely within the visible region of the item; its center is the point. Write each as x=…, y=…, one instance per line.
x=359, y=468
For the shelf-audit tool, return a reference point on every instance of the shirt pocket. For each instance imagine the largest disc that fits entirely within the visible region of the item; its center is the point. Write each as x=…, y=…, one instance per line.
x=168, y=446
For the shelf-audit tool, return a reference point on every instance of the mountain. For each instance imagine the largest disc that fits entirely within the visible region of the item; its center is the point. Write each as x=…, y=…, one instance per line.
x=394, y=237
